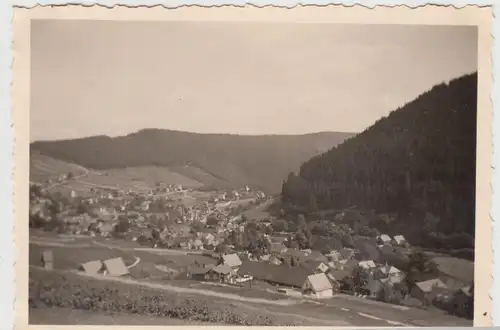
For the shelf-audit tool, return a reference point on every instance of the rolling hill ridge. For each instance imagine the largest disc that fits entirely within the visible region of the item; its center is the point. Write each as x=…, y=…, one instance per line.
x=231, y=160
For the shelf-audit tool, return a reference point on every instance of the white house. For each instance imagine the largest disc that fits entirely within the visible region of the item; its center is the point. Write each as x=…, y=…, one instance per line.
x=318, y=285
x=384, y=239
x=232, y=260
x=399, y=240
x=367, y=264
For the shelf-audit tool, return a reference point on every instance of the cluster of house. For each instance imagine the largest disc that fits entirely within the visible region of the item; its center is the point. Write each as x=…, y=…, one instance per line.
x=311, y=273
x=397, y=240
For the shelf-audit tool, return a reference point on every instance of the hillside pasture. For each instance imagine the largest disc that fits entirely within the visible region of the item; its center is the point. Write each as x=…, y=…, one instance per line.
x=199, y=175
x=457, y=268
x=151, y=175
x=43, y=168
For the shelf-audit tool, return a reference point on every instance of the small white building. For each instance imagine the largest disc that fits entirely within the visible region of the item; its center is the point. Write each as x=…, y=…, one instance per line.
x=399, y=240
x=384, y=239
x=318, y=286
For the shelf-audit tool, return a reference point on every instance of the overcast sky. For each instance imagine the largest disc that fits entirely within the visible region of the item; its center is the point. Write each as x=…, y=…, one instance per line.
x=114, y=78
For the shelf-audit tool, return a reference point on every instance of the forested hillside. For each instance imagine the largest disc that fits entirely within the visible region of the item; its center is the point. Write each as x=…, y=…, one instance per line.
x=417, y=164
x=258, y=161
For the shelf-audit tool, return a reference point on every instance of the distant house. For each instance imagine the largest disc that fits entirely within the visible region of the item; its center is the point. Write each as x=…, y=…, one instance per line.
x=197, y=244
x=334, y=255
x=274, y=260
x=47, y=259
x=367, y=264
x=318, y=286
x=199, y=273
x=208, y=239
x=426, y=291
x=463, y=302
x=347, y=253
x=222, y=273
x=277, y=248
x=384, y=239
x=232, y=260
x=278, y=239
x=399, y=240
x=387, y=271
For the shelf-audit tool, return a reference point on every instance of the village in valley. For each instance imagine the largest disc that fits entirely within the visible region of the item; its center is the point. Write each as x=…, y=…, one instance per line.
x=232, y=240
x=323, y=179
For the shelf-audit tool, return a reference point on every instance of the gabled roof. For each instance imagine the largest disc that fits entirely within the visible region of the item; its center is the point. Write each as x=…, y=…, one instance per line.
x=384, y=238
x=222, y=269
x=91, y=267
x=116, y=267
x=346, y=253
x=427, y=286
x=319, y=282
x=232, y=260
x=389, y=270
x=399, y=238
x=367, y=264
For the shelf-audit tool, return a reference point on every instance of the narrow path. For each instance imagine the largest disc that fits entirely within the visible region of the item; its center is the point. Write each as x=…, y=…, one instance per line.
x=137, y=260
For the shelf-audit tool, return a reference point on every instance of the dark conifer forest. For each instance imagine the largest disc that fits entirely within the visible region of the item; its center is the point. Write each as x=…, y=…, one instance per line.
x=416, y=165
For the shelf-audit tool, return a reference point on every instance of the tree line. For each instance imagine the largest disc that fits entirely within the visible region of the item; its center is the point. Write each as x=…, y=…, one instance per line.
x=419, y=160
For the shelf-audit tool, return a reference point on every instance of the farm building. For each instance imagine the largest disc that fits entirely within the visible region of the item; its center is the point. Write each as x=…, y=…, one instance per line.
x=232, y=260
x=463, y=302
x=48, y=259
x=115, y=267
x=222, y=273
x=426, y=291
x=92, y=267
x=387, y=271
x=318, y=286
x=282, y=275
x=399, y=240
x=384, y=239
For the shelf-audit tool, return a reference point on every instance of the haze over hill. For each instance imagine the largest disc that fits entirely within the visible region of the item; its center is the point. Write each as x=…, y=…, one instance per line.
x=421, y=158
x=261, y=161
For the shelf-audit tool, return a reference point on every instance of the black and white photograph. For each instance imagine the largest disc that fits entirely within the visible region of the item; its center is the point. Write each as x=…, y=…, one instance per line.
x=253, y=173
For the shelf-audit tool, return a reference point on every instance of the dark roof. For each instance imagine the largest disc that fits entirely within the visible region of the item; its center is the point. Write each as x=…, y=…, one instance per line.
x=346, y=253
x=280, y=274
x=340, y=275
x=317, y=256
x=368, y=250
x=310, y=264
